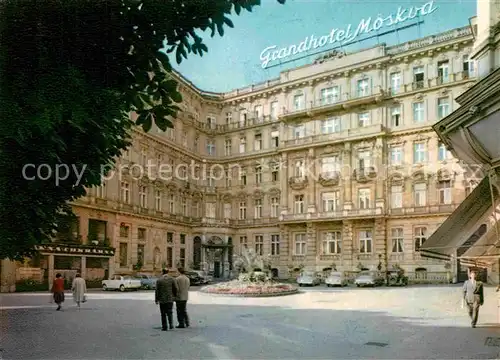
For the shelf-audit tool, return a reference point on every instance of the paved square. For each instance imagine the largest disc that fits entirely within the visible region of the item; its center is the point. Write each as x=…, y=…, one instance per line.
x=382, y=323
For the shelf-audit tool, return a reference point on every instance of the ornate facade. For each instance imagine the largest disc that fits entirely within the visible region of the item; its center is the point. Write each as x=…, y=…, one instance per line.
x=334, y=162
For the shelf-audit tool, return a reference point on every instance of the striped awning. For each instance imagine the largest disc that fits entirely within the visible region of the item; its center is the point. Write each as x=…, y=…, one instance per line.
x=451, y=237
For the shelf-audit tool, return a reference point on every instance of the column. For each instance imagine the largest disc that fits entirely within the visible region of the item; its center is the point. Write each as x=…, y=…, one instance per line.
x=381, y=173
x=51, y=274
x=111, y=267
x=284, y=184
x=311, y=244
x=311, y=179
x=83, y=270
x=380, y=242
x=8, y=280
x=84, y=228
x=348, y=248
x=346, y=174
x=225, y=258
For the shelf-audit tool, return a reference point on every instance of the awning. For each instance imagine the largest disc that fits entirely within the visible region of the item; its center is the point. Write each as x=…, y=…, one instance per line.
x=454, y=232
x=485, y=252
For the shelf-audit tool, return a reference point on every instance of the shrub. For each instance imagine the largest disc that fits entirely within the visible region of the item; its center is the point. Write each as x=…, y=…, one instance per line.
x=28, y=285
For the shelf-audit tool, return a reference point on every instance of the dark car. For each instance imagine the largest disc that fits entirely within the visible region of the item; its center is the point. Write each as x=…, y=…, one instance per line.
x=194, y=278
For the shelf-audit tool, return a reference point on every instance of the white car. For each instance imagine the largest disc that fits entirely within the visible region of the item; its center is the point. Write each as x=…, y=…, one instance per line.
x=369, y=278
x=308, y=278
x=122, y=283
x=336, y=279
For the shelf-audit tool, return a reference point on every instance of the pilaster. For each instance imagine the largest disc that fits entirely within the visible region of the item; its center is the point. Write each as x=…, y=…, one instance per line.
x=83, y=226
x=311, y=235
x=51, y=274
x=83, y=270
x=380, y=241
x=311, y=178
x=284, y=184
x=346, y=174
x=348, y=245
x=381, y=173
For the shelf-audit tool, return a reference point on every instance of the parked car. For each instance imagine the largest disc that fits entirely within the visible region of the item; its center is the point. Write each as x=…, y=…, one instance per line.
x=122, y=283
x=396, y=278
x=336, y=279
x=205, y=278
x=308, y=278
x=148, y=281
x=194, y=278
x=369, y=278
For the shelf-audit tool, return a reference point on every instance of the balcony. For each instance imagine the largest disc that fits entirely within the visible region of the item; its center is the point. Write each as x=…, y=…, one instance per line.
x=297, y=182
x=333, y=215
x=340, y=136
x=423, y=210
x=341, y=102
x=440, y=81
x=365, y=174
x=254, y=222
x=331, y=178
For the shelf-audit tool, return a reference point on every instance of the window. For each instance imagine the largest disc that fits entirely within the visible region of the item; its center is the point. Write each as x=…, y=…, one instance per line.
x=300, y=244
x=243, y=242
x=395, y=82
x=363, y=119
x=420, y=194
x=299, y=204
x=144, y=156
x=331, y=201
x=243, y=145
x=298, y=102
x=259, y=245
x=468, y=67
x=273, y=112
x=419, y=154
x=365, y=241
x=159, y=160
x=184, y=138
x=258, y=209
x=195, y=143
x=227, y=178
x=123, y=254
x=229, y=117
x=243, y=118
x=171, y=203
x=396, y=155
x=210, y=180
x=363, y=87
x=396, y=116
x=182, y=257
x=140, y=254
x=227, y=211
x=275, y=206
x=397, y=240
x=444, y=188
x=124, y=231
x=210, y=210
x=330, y=166
x=141, y=234
x=331, y=125
x=143, y=196
x=443, y=153
x=299, y=131
x=228, y=147
x=170, y=257
x=332, y=243
x=418, y=112
x=243, y=177
x=364, y=198
x=158, y=200
x=275, y=173
x=258, y=174
x=420, y=237
x=211, y=122
x=418, y=77
x=258, y=112
x=364, y=159
x=210, y=147
x=125, y=192
x=299, y=169
x=443, y=107
x=275, y=138
x=275, y=244
x=257, y=143
x=101, y=190
x=184, y=206
x=195, y=208
x=243, y=210
x=182, y=239
x=396, y=196
x=329, y=95
x=443, y=72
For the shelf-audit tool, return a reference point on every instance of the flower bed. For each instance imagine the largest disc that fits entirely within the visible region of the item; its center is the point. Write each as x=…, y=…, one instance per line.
x=245, y=289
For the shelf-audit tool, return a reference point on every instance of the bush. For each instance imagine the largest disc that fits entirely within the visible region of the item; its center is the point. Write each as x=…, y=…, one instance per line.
x=28, y=285
x=94, y=284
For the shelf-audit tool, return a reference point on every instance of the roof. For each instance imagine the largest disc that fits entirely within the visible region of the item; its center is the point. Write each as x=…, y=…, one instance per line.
x=453, y=234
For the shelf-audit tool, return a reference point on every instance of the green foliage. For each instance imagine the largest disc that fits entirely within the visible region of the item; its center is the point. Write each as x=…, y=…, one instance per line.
x=29, y=285
x=71, y=72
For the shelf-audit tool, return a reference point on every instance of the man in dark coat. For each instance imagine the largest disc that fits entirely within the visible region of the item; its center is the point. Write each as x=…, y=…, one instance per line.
x=473, y=296
x=165, y=294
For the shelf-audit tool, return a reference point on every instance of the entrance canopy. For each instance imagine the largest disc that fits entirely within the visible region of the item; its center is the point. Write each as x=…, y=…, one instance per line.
x=469, y=232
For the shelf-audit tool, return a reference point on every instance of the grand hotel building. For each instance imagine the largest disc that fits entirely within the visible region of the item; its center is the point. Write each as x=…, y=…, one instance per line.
x=332, y=163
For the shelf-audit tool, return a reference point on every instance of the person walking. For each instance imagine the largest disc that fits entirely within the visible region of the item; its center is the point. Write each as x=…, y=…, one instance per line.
x=165, y=294
x=183, y=284
x=79, y=288
x=473, y=296
x=58, y=290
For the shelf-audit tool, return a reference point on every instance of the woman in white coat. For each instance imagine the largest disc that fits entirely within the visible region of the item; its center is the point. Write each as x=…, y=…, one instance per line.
x=79, y=288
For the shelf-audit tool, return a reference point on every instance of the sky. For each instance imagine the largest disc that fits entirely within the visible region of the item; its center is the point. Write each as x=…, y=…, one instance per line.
x=233, y=61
